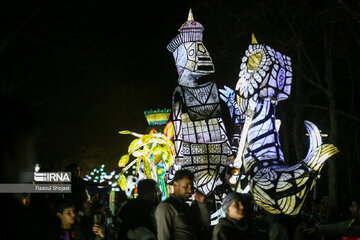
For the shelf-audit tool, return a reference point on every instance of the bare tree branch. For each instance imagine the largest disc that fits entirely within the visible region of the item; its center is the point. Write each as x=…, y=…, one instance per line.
x=350, y=116
x=16, y=31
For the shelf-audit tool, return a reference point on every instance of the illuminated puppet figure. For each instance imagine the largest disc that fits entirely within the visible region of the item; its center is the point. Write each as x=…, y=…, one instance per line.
x=200, y=138
x=265, y=78
x=153, y=153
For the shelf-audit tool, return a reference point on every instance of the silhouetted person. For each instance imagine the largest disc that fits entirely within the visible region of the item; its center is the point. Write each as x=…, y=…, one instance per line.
x=328, y=211
x=277, y=230
x=79, y=188
x=137, y=215
x=348, y=228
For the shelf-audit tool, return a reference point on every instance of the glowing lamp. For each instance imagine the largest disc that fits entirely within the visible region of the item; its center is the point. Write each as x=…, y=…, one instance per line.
x=157, y=117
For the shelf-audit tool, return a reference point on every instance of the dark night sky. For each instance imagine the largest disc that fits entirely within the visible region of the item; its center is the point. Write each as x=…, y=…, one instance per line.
x=88, y=69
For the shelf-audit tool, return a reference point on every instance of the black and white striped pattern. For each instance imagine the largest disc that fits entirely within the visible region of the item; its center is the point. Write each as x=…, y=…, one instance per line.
x=265, y=78
x=189, y=35
x=263, y=143
x=274, y=185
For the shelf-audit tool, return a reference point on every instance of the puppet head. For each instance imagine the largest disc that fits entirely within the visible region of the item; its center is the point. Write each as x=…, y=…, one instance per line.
x=264, y=73
x=191, y=56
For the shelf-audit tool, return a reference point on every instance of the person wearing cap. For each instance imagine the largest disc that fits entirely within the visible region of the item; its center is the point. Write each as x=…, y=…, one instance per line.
x=234, y=225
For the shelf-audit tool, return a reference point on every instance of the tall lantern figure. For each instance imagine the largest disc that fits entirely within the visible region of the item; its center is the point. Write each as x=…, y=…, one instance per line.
x=265, y=79
x=200, y=139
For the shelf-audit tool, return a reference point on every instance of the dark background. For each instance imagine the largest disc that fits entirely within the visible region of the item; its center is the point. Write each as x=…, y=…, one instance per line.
x=88, y=69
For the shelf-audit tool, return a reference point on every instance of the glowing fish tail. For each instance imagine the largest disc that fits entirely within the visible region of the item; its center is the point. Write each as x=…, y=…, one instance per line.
x=318, y=153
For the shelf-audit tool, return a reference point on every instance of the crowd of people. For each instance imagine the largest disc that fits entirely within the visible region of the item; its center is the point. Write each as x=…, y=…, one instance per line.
x=83, y=214
x=184, y=215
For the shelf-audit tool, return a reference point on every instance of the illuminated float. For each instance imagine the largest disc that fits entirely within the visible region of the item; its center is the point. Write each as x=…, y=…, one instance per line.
x=201, y=143
x=265, y=79
x=151, y=154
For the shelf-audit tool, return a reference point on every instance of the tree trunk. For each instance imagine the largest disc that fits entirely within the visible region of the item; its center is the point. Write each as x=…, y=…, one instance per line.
x=332, y=170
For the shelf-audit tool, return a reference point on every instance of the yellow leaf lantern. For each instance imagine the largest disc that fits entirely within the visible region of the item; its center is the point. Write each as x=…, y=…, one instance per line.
x=122, y=182
x=123, y=160
x=169, y=130
x=153, y=152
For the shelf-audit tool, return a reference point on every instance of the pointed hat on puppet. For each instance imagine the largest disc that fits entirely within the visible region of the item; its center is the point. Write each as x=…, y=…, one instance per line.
x=190, y=31
x=253, y=39
x=191, y=24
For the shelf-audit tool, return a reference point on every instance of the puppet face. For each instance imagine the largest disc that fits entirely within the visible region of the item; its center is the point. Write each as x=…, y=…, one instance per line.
x=194, y=57
x=265, y=73
x=190, y=53
x=130, y=185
